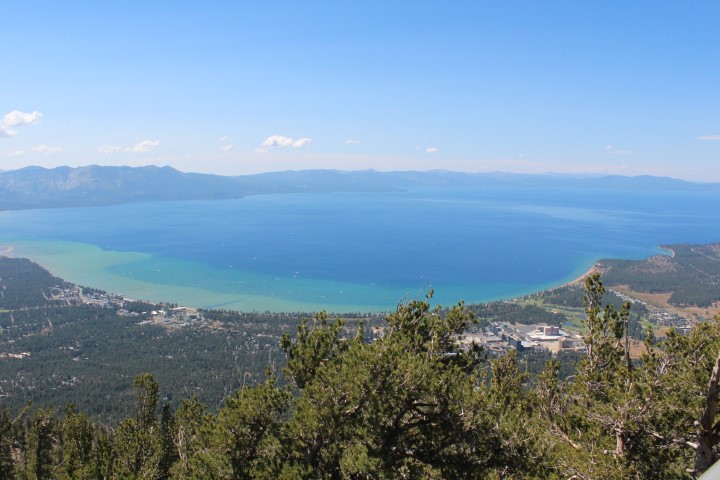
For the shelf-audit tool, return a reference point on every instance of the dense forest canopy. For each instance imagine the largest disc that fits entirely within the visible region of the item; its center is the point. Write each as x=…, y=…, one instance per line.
x=407, y=404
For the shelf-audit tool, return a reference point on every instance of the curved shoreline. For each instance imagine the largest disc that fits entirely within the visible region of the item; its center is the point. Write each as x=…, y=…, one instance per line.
x=103, y=278
x=595, y=268
x=579, y=280
x=202, y=297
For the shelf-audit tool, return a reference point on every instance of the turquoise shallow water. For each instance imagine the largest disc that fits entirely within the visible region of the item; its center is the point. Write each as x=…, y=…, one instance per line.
x=355, y=251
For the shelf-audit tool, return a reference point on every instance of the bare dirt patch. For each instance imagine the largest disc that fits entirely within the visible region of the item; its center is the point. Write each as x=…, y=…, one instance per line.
x=637, y=348
x=660, y=300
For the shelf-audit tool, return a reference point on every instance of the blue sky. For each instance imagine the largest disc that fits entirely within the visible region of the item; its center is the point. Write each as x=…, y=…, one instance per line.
x=244, y=87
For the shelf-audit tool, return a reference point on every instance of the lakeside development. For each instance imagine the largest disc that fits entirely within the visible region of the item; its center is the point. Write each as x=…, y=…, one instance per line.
x=88, y=329
x=89, y=265
x=516, y=329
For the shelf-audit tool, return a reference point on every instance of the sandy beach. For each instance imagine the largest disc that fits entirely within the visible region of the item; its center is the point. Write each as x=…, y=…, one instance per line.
x=581, y=279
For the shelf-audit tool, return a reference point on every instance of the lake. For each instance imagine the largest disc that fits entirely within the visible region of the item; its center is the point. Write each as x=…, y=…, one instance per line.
x=355, y=252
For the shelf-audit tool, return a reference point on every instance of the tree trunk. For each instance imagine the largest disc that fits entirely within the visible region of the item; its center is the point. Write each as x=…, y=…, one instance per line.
x=706, y=436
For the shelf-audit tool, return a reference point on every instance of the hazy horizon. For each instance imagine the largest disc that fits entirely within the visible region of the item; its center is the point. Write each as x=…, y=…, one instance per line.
x=359, y=170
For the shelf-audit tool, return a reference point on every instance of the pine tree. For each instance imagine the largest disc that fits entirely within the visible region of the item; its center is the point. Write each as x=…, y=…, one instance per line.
x=77, y=444
x=405, y=405
x=8, y=441
x=247, y=428
x=137, y=442
x=40, y=444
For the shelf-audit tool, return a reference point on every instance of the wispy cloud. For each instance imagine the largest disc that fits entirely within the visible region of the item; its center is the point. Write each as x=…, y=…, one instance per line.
x=144, y=146
x=617, y=151
x=15, y=153
x=279, y=141
x=709, y=138
x=350, y=141
x=301, y=142
x=226, y=140
x=46, y=150
x=431, y=149
x=109, y=149
x=16, y=118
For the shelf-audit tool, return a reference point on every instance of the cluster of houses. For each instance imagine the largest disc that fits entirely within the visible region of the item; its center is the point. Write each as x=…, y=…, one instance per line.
x=659, y=316
x=667, y=319
x=75, y=295
x=177, y=317
x=16, y=356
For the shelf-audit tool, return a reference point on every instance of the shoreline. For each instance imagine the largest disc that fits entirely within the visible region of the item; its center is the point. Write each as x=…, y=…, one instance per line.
x=203, y=298
x=579, y=280
x=188, y=296
x=595, y=269
x=100, y=276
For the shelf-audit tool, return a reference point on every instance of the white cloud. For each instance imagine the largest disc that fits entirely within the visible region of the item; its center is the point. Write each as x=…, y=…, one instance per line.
x=224, y=138
x=46, y=150
x=617, y=151
x=709, y=137
x=109, y=149
x=277, y=141
x=15, y=153
x=280, y=141
x=144, y=146
x=17, y=118
x=226, y=148
x=350, y=141
x=431, y=149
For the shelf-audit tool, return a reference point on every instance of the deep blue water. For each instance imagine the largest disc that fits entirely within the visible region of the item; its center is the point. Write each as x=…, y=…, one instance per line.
x=341, y=249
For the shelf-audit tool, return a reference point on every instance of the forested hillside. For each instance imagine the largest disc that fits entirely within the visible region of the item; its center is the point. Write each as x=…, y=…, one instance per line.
x=23, y=284
x=88, y=356
x=60, y=343
x=691, y=274
x=409, y=404
x=55, y=349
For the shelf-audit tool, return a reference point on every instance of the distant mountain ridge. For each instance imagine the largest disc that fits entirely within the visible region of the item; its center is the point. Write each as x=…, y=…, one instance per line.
x=38, y=187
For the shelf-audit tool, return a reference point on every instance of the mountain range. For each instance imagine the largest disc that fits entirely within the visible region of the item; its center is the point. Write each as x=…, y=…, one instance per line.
x=38, y=187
